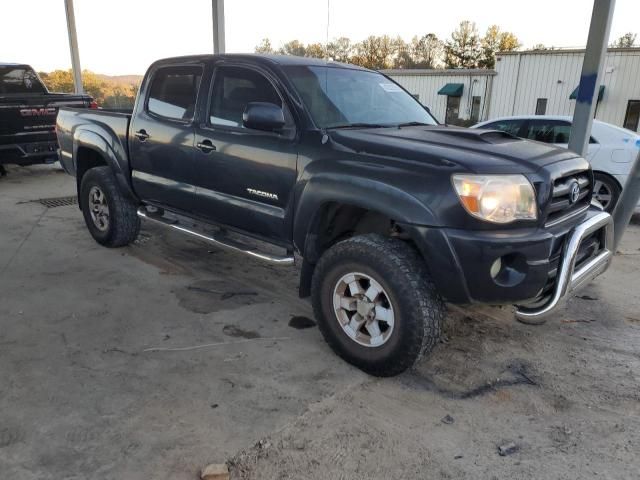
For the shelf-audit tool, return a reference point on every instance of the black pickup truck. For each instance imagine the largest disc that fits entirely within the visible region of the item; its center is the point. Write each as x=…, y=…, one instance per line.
x=391, y=212
x=28, y=116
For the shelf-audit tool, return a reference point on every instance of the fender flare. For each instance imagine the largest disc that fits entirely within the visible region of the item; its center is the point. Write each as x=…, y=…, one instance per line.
x=362, y=192
x=113, y=153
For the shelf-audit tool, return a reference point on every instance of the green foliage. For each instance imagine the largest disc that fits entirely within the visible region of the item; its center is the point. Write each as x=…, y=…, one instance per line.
x=315, y=50
x=627, y=40
x=427, y=51
x=340, y=50
x=107, y=93
x=464, y=49
x=264, y=47
x=294, y=47
x=496, y=41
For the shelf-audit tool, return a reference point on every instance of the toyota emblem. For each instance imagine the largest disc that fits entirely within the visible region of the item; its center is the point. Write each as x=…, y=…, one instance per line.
x=574, y=192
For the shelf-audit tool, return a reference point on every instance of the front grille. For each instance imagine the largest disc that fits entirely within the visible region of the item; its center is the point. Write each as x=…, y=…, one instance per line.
x=561, y=205
x=590, y=247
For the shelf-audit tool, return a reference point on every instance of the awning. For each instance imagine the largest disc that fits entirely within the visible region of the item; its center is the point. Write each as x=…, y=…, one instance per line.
x=574, y=94
x=452, y=90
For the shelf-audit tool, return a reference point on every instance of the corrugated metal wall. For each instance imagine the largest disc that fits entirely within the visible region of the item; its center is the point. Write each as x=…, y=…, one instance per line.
x=426, y=83
x=523, y=78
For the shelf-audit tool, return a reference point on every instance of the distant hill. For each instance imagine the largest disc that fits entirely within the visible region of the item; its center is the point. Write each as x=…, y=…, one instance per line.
x=121, y=79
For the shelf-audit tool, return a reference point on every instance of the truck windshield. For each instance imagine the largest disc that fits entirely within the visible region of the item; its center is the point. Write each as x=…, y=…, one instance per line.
x=342, y=97
x=19, y=80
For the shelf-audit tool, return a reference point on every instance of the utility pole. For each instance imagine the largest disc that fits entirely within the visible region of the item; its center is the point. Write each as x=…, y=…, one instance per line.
x=591, y=76
x=73, y=46
x=217, y=7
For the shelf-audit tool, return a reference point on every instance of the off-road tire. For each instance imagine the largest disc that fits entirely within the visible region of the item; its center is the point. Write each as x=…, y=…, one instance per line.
x=400, y=270
x=124, y=223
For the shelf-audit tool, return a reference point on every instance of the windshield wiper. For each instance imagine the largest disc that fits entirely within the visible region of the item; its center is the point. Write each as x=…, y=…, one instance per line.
x=414, y=124
x=359, y=125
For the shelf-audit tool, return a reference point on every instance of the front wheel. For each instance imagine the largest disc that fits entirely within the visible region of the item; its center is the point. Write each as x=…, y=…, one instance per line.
x=375, y=304
x=110, y=216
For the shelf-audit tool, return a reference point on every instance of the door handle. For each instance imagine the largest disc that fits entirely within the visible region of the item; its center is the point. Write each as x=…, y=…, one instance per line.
x=206, y=146
x=141, y=135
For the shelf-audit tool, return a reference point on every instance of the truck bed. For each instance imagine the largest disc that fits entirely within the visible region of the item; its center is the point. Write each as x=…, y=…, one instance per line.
x=114, y=123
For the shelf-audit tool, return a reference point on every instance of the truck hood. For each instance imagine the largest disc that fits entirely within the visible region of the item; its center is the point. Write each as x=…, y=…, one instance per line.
x=479, y=151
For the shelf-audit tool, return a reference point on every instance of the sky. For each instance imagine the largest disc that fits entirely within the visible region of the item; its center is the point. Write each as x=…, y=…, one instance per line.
x=119, y=37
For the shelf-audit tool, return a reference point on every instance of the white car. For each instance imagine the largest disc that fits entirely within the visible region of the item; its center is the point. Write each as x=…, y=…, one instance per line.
x=611, y=153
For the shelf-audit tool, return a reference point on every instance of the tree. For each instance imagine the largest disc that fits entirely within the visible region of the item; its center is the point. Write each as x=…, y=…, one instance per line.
x=104, y=91
x=375, y=52
x=627, y=40
x=496, y=41
x=340, y=50
x=540, y=46
x=315, y=50
x=464, y=49
x=294, y=47
x=427, y=51
x=264, y=47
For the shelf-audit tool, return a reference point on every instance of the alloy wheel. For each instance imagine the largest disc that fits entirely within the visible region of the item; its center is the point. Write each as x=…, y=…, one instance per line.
x=363, y=309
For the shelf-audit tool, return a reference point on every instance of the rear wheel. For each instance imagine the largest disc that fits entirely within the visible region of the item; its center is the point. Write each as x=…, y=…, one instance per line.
x=375, y=304
x=606, y=190
x=110, y=216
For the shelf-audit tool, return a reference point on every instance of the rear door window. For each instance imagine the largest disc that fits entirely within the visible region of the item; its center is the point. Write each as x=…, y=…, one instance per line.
x=510, y=126
x=549, y=131
x=173, y=92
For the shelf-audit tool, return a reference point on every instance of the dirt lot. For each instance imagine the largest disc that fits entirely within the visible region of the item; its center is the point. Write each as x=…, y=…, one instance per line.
x=151, y=361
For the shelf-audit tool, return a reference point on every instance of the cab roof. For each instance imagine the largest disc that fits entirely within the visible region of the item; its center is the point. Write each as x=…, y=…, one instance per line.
x=282, y=60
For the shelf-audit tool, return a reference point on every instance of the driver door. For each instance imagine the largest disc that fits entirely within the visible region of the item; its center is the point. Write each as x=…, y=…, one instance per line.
x=246, y=176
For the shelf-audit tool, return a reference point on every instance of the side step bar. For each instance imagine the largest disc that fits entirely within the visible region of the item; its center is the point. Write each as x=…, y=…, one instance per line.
x=227, y=244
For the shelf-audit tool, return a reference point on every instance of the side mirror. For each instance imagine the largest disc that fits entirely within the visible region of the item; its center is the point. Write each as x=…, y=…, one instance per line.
x=263, y=116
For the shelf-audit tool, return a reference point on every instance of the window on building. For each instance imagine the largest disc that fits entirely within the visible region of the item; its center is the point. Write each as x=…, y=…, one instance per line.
x=475, y=108
x=541, y=106
x=173, y=92
x=549, y=131
x=453, y=109
x=632, y=117
x=233, y=89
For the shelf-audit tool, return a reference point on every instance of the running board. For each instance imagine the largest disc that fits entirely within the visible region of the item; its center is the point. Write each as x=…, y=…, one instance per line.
x=227, y=244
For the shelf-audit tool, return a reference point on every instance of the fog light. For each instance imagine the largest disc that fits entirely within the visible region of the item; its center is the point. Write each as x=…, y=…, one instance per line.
x=496, y=266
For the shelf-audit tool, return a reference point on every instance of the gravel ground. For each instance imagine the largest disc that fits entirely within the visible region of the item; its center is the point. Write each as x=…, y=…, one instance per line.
x=91, y=388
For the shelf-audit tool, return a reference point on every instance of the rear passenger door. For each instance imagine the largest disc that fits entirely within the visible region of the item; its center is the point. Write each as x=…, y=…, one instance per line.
x=162, y=136
x=555, y=132
x=246, y=176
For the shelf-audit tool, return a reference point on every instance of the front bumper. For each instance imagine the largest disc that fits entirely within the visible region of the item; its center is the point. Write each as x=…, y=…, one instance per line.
x=539, y=266
x=569, y=278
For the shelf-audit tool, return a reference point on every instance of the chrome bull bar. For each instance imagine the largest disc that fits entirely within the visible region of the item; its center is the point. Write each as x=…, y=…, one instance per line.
x=569, y=279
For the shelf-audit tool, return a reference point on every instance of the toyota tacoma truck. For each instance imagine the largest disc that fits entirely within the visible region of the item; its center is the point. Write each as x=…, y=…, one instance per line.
x=391, y=213
x=28, y=116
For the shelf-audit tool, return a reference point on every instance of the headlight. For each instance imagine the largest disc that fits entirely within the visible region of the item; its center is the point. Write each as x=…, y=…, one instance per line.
x=497, y=198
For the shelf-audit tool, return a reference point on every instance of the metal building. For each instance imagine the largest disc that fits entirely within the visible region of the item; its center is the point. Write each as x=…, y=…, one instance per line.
x=545, y=82
x=452, y=95
x=530, y=82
